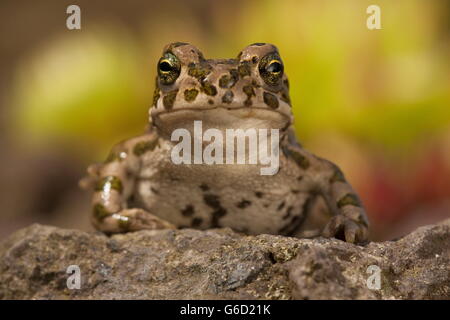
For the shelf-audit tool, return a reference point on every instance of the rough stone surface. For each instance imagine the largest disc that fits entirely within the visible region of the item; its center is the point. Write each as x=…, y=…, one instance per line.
x=221, y=264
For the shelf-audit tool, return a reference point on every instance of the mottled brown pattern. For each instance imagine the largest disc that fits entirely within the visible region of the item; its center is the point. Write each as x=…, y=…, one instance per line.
x=144, y=146
x=228, y=97
x=190, y=94
x=169, y=99
x=270, y=100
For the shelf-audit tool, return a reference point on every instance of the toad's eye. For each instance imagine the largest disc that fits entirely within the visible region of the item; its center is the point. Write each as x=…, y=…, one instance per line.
x=168, y=68
x=275, y=66
x=271, y=69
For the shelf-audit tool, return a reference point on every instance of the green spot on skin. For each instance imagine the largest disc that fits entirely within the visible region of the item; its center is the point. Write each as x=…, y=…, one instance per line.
x=169, y=99
x=100, y=212
x=244, y=69
x=301, y=160
x=337, y=176
x=124, y=223
x=113, y=156
x=225, y=81
x=190, y=94
x=142, y=147
x=248, y=90
x=109, y=182
x=349, y=199
x=209, y=89
x=229, y=80
x=270, y=100
x=227, y=97
x=156, y=94
x=199, y=71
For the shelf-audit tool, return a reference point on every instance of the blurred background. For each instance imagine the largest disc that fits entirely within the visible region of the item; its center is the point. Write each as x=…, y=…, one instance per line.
x=376, y=102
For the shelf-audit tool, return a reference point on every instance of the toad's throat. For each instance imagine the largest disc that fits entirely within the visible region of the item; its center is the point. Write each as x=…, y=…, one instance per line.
x=231, y=146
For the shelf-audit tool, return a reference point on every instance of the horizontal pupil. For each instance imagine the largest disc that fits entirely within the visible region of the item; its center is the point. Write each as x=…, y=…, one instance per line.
x=274, y=67
x=165, y=66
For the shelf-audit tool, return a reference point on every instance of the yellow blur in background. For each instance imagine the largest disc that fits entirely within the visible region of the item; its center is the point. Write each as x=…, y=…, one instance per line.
x=376, y=102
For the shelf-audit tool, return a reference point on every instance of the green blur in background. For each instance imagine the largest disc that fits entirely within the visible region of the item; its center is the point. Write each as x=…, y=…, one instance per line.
x=376, y=102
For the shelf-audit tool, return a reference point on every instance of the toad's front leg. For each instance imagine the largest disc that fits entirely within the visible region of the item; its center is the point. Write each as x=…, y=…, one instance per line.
x=349, y=221
x=115, y=184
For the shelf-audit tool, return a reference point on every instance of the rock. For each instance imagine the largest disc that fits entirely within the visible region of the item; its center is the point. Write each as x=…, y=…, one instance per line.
x=221, y=264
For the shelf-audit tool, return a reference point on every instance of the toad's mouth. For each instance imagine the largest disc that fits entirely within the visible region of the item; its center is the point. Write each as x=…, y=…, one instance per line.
x=220, y=118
